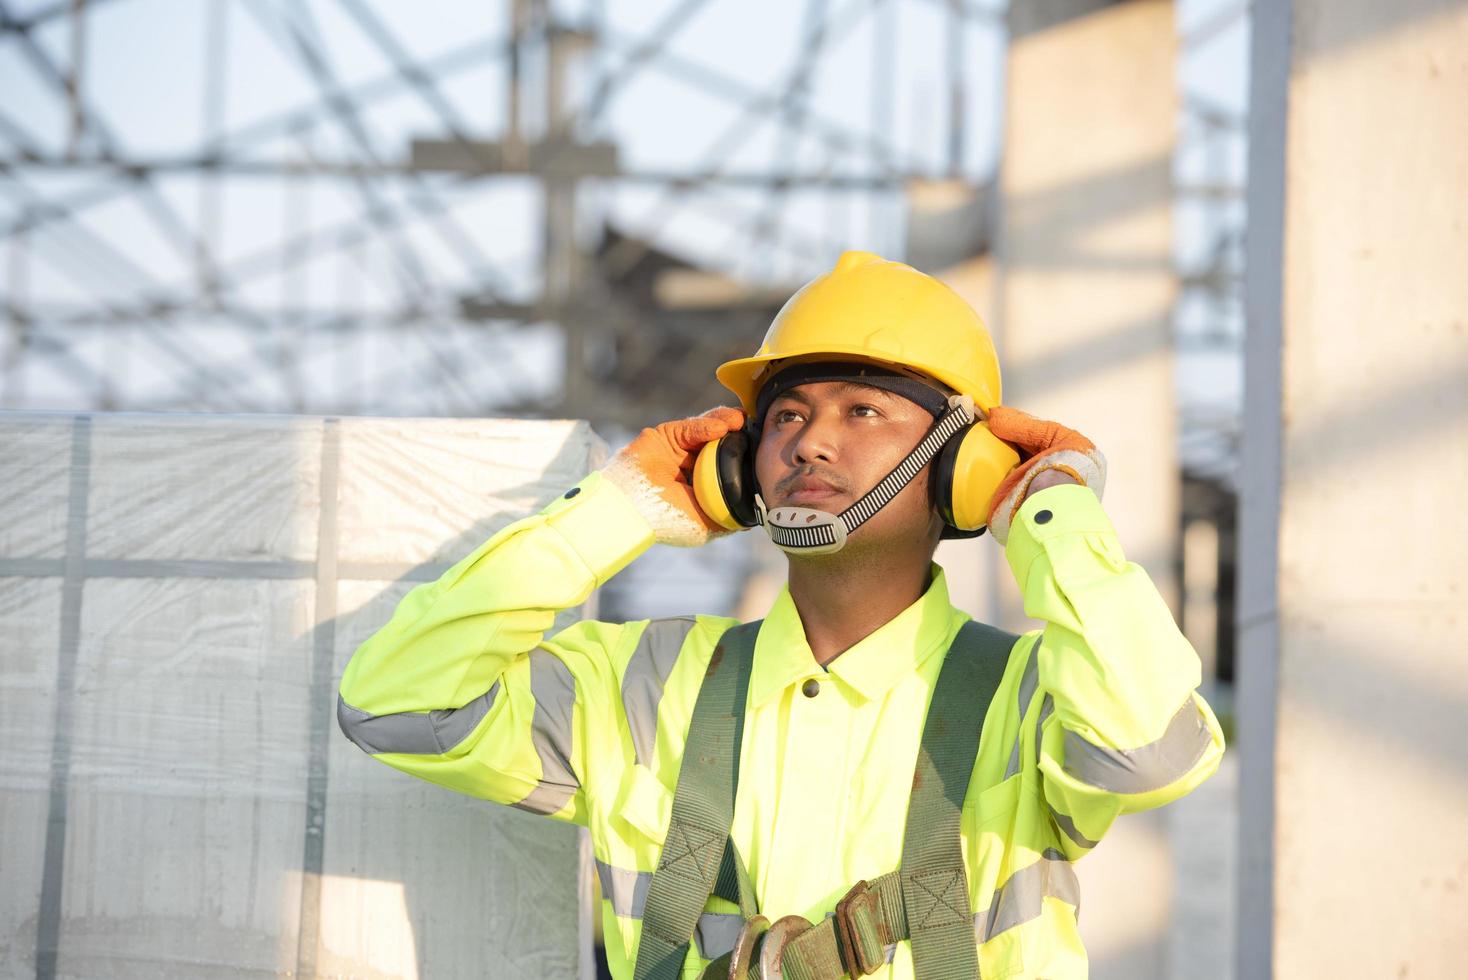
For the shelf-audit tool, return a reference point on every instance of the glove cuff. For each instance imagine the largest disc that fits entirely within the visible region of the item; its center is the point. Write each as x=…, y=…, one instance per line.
x=1088, y=467
x=670, y=524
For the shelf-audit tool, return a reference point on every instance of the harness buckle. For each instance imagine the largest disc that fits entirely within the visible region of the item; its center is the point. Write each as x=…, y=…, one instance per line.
x=859, y=931
x=742, y=955
x=773, y=943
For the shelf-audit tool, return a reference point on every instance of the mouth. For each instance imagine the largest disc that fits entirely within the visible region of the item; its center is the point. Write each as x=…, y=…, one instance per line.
x=811, y=495
x=808, y=490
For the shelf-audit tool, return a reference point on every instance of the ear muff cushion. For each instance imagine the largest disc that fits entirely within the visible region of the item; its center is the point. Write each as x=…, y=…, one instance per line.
x=965, y=475
x=735, y=460
x=941, y=481
x=723, y=481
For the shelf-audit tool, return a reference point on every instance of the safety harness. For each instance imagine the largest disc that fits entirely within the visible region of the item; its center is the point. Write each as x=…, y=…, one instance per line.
x=925, y=900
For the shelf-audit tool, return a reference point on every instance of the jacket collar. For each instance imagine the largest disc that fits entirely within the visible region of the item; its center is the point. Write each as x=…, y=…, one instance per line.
x=897, y=649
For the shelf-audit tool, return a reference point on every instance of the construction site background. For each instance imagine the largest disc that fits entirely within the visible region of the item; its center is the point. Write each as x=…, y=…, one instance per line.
x=304, y=300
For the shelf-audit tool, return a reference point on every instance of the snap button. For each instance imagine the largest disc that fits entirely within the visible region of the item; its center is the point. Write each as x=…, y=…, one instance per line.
x=572, y=492
x=1043, y=516
x=811, y=688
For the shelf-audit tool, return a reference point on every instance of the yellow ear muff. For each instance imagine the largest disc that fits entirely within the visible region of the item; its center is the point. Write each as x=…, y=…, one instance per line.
x=973, y=472
x=706, y=489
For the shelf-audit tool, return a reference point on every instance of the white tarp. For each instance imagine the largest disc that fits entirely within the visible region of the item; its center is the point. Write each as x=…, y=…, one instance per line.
x=178, y=597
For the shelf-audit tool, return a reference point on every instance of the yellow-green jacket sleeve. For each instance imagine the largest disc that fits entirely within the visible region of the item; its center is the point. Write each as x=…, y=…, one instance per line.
x=1119, y=721
x=461, y=688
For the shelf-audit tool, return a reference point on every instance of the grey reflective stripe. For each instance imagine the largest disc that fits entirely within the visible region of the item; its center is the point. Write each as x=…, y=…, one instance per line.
x=624, y=888
x=1143, y=769
x=1066, y=824
x=1027, y=685
x=554, y=690
x=413, y=732
x=1020, y=899
x=1047, y=708
x=716, y=932
x=647, y=673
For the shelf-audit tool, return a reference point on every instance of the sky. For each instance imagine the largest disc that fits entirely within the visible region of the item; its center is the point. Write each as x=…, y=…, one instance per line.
x=149, y=76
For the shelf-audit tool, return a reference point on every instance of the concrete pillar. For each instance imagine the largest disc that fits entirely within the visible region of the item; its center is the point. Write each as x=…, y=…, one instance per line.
x=1084, y=295
x=949, y=231
x=1086, y=282
x=1353, y=622
x=1200, y=595
x=973, y=566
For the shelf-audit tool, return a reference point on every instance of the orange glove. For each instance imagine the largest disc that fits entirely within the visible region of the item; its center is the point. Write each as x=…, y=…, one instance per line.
x=655, y=471
x=1042, y=446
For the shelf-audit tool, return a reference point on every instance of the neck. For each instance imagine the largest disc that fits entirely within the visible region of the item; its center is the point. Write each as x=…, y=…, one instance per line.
x=844, y=599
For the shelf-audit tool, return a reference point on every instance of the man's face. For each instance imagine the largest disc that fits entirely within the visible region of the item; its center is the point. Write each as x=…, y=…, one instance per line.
x=827, y=443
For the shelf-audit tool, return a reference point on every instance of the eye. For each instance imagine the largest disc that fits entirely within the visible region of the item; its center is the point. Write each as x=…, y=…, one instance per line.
x=866, y=411
x=781, y=415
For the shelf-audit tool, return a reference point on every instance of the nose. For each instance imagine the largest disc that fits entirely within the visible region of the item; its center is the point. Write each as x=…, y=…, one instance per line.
x=815, y=442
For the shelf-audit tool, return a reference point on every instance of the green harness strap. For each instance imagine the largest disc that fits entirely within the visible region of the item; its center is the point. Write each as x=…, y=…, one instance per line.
x=925, y=900
x=934, y=881
x=703, y=810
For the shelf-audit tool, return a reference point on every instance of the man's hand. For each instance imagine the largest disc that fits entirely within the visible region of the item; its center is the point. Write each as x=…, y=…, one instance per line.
x=655, y=472
x=1051, y=454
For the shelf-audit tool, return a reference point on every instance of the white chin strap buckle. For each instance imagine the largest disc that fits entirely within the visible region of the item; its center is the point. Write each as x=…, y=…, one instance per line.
x=802, y=530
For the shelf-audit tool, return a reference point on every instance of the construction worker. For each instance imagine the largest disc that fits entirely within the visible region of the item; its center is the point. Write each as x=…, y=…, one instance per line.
x=865, y=782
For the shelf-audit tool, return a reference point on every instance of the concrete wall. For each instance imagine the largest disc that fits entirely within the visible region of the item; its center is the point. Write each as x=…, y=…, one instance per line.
x=1086, y=282
x=178, y=596
x=1354, y=578
x=949, y=235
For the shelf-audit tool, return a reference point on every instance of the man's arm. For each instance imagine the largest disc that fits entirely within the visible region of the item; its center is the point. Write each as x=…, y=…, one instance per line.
x=461, y=688
x=1120, y=724
x=1114, y=723
x=449, y=688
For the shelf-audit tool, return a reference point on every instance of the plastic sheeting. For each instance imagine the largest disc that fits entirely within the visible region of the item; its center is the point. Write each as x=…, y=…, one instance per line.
x=178, y=597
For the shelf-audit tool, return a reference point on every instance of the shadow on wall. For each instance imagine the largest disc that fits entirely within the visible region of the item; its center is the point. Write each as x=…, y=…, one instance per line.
x=1057, y=220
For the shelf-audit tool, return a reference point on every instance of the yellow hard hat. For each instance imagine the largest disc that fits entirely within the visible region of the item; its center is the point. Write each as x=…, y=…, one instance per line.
x=870, y=309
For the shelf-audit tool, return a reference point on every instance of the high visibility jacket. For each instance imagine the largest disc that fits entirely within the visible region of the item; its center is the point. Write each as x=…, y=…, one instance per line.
x=1097, y=715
